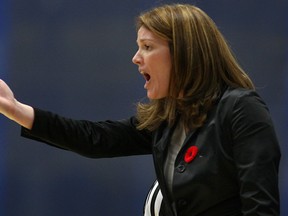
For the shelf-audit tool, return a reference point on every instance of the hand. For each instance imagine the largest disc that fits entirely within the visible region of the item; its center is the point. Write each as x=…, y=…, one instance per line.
x=13, y=109
x=7, y=100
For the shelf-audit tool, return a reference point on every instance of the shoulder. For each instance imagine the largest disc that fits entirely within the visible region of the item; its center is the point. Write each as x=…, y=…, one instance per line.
x=245, y=112
x=238, y=95
x=240, y=108
x=236, y=100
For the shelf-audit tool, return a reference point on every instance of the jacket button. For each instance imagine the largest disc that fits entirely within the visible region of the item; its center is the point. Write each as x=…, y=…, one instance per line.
x=181, y=168
x=182, y=202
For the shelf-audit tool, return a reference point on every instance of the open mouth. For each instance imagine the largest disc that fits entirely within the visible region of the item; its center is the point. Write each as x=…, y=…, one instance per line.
x=146, y=76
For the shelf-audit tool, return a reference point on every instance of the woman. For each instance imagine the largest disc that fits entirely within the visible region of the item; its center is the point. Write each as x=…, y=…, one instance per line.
x=211, y=136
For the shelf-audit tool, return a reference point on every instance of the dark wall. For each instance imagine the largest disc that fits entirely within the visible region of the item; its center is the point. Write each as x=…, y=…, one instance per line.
x=74, y=58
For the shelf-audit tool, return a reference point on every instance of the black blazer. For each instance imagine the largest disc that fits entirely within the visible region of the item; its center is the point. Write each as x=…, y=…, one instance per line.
x=235, y=171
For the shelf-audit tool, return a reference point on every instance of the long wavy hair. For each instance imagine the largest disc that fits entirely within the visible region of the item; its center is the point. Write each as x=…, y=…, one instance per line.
x=202, y=66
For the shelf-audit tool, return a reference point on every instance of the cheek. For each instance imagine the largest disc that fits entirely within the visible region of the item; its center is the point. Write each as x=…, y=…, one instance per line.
x=167, y=68
x=164, y=80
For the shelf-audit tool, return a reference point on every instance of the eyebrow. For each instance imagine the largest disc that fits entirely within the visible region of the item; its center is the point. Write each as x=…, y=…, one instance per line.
x=144, y=39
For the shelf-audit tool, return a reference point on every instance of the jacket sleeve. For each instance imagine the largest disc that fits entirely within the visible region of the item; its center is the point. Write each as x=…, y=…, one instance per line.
x=256, y=153
x=90, y=139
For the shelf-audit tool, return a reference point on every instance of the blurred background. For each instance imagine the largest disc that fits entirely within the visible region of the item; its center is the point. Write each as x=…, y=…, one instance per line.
x=74, y=58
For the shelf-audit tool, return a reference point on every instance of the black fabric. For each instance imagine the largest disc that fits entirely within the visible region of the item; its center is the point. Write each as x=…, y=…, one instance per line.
x=235, y=170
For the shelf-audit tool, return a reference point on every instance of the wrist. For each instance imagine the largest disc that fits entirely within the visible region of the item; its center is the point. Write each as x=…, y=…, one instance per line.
x=23, y=115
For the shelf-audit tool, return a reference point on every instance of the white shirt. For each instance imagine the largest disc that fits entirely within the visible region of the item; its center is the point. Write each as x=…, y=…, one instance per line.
x=154, y=197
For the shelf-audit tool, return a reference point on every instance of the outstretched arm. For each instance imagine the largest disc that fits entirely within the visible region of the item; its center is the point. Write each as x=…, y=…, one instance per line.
x=20, y=113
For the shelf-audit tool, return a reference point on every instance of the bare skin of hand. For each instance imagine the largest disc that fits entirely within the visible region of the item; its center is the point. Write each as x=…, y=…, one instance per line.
x=11, y=108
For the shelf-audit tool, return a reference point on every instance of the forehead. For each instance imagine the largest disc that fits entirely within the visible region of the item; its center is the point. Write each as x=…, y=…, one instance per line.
x=144, y=34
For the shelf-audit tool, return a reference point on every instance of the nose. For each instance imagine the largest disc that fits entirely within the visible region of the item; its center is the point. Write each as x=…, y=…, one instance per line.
x=136, y=58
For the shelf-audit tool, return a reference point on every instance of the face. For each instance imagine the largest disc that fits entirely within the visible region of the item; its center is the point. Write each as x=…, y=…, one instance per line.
x=154, y=62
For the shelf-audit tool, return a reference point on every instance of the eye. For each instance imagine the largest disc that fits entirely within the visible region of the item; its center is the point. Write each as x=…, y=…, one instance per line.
x=147, y=47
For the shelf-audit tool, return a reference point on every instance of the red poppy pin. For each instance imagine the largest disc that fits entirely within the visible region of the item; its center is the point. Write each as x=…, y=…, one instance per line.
x=190, y=154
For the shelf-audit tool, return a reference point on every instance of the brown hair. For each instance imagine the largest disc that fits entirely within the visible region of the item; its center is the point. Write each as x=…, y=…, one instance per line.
x=202, y=65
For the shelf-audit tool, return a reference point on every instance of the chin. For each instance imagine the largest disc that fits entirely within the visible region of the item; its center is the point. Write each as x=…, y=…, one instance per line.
x=151, y=97
x=155, y=97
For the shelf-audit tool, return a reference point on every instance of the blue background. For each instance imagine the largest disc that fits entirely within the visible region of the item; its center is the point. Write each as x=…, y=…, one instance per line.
x=74, y=58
